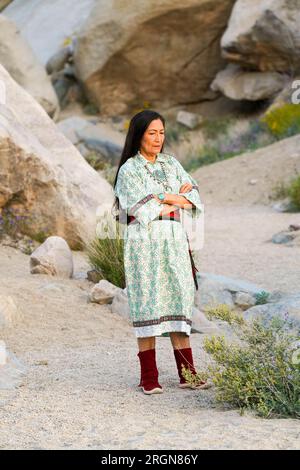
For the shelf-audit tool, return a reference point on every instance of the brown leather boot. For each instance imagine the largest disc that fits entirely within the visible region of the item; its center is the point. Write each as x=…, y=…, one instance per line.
x=149, y=373
x=184, y=357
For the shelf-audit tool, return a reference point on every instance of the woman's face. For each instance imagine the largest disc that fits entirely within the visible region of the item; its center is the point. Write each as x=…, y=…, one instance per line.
x=153, y=137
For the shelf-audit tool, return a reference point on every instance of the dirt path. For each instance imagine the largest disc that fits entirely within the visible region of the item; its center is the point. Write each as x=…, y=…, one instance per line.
x=236, y=244
x=87, y=395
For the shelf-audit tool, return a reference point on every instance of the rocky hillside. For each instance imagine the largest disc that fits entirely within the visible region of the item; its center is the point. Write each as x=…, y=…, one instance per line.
x=167, y=53
x=251, y=178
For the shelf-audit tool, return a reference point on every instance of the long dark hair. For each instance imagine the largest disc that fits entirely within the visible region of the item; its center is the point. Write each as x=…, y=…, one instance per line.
x=138, y=125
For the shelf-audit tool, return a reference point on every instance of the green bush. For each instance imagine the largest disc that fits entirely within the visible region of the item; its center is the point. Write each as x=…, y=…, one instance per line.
x=225, y=313
x=294, y=192
x=283, y=121
x=260, y=371
x=213, y=128
x=261, y=297
x=106, y=255
x=96, y=161
x=280, y=191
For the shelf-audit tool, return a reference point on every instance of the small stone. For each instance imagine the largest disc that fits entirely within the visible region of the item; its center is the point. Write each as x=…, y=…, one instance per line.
x=42, y=362
x=294, y=227
x=282, y=206
x=244, y=300
x=94, y=276
x=53, y=257
x=189, y=120
x=103, y=292
x=282, y=237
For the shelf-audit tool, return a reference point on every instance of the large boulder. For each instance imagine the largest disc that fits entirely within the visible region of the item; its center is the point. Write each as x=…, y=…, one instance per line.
x=47, y=26
x=19, y=60
x=287, y=307
x=42, y=173
x=264, y=35
x=215, y=289
x=246, y=298
x=95, y=137
x=238, y=84
x=164, y=52
x=202, y=325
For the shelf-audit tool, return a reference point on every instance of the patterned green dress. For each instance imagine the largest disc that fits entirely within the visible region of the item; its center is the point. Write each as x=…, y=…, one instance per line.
x=159, y=280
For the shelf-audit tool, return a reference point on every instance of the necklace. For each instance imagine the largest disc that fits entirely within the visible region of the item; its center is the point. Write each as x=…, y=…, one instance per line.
x=160, y=174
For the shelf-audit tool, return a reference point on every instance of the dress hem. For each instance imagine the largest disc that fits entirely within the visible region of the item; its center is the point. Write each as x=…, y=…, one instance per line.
x=162, y=328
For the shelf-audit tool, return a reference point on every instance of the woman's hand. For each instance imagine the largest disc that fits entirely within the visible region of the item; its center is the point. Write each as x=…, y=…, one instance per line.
x=168, y=198
x=174, y=200
x=185, y=188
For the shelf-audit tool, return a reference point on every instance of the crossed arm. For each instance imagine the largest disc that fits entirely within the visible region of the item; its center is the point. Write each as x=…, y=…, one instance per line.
x=173, y=201
x=130, y=189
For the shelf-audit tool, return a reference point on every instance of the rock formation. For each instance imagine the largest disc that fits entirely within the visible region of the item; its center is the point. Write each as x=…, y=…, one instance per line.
x=42, y=173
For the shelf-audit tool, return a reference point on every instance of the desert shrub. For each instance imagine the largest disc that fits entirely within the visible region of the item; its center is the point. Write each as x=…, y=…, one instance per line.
x=283, y=121
x=255, y=137
x=106, y=254
x=11, y=222
x=174, y=132
x=172, y=135
x=96, y=161
x=204, y=156
x=261, y=297
x=293, y=191
x=278, y=123
x=280, y=191
x=15, y=223
x=223, y=312
x=260, y=371
x=213, y=128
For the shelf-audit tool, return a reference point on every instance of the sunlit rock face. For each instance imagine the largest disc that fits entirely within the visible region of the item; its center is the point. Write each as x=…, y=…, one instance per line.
x=43, y=175
x=47, y=25
x=18, y=58
x=163, y=52
x=264, y=35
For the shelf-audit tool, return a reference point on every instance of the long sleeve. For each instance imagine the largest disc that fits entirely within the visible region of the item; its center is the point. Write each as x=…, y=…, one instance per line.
x=193, y=195
x=134, y=199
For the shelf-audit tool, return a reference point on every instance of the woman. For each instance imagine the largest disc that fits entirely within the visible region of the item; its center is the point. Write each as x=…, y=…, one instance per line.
x=159, y=269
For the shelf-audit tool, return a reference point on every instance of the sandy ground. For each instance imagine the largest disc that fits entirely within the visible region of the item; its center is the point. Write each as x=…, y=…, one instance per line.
x=237, y=244
x=86, y=395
